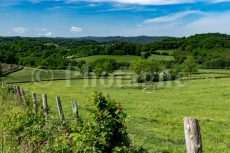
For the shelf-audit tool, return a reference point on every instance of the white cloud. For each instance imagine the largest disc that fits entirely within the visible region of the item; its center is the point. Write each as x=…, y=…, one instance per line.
x=151, y=2
x=213, y=22
x=75, y=29
x=171, y=17
x=19, y=30
x=141, y=2
x=219, y=1
x=203, y=23
x=48, y=34
x=42, y=32
x=139, y=25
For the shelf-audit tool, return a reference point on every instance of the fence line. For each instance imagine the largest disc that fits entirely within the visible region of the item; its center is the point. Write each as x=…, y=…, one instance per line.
x=192, y=132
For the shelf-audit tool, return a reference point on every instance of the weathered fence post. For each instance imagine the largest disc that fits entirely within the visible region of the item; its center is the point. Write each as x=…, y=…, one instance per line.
x=192, y=135
x=45, y=106
x=15, y=89
x=18, y=90
x=23, y=98
x=35, y=102
x=75, y=111
x=60, y=111
x=18, y=93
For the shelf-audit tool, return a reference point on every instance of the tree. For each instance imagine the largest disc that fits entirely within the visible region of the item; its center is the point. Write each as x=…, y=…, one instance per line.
x=104, y=66
x=86, y=69
x=189, y=66
x=108, y=68
x=179, y=56
x=98, y=70
x=146, y=70
x=145, y=55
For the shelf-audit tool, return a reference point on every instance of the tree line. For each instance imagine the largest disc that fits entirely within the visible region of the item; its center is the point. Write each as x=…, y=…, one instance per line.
x=209, y=50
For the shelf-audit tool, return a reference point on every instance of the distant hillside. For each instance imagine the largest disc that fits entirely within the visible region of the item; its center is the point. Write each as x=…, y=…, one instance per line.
x=90, y=40
x=138, y=39
x=212, y=50
x=209, y=41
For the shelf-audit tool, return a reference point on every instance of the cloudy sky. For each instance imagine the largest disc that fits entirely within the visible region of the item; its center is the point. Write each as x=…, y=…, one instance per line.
x=77, y=18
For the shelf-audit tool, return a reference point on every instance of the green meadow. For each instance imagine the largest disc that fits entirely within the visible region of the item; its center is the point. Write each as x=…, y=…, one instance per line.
x=155, y=111
x=155, y=117
x=124, y=58
x=28, y=74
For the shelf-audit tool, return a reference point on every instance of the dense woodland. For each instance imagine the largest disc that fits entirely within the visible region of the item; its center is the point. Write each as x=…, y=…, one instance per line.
x=210, y=50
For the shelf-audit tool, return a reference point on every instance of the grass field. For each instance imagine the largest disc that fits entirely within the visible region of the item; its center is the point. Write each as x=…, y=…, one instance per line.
x=32, y=74
x=166, y=51
x=35, y=75
x=128, y=58
x=155, y=117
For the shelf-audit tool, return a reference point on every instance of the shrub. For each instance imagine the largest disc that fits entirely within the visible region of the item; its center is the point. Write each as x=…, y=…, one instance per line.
x=25, y=131
x=104, y=66
x=189, y=66
x=219, y=63
x=146, y=70
x=145, y=55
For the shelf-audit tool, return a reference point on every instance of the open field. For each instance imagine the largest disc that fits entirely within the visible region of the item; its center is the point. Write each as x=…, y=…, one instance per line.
x=166, y=51
x=127, y=58
x=161, y=58
x=32, y=74
x=155, y=117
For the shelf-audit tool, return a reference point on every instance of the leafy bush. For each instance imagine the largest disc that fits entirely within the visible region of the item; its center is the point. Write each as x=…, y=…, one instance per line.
x=145, y=55
x=26, y=131
x=146, y=70
x=104, y=66
x=219, y=63
x=189, y=66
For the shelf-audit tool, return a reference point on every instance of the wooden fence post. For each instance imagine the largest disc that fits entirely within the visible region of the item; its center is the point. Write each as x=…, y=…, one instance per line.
x=75, y=111
x=15, y=89
x=23, y=98
x=60, y=111
x=35, y=102
x=18, y=90
x=45, y=106
x=18, y=93
x=192, y=135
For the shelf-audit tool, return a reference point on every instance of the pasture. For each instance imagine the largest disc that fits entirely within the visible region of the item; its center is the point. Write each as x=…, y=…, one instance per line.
x=28, y=74
x=155, y=117
x=124, y=58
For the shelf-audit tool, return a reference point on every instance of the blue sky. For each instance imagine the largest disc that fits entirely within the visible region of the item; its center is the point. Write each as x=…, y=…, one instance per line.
x=77, y=18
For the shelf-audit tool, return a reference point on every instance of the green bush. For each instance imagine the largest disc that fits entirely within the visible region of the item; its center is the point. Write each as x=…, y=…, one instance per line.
x=219, y=63
x=146, y=70
x=104, y=66
x=26, y=131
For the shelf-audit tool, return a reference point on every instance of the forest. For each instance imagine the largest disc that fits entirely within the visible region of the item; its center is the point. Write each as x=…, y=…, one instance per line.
x=210, y=50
